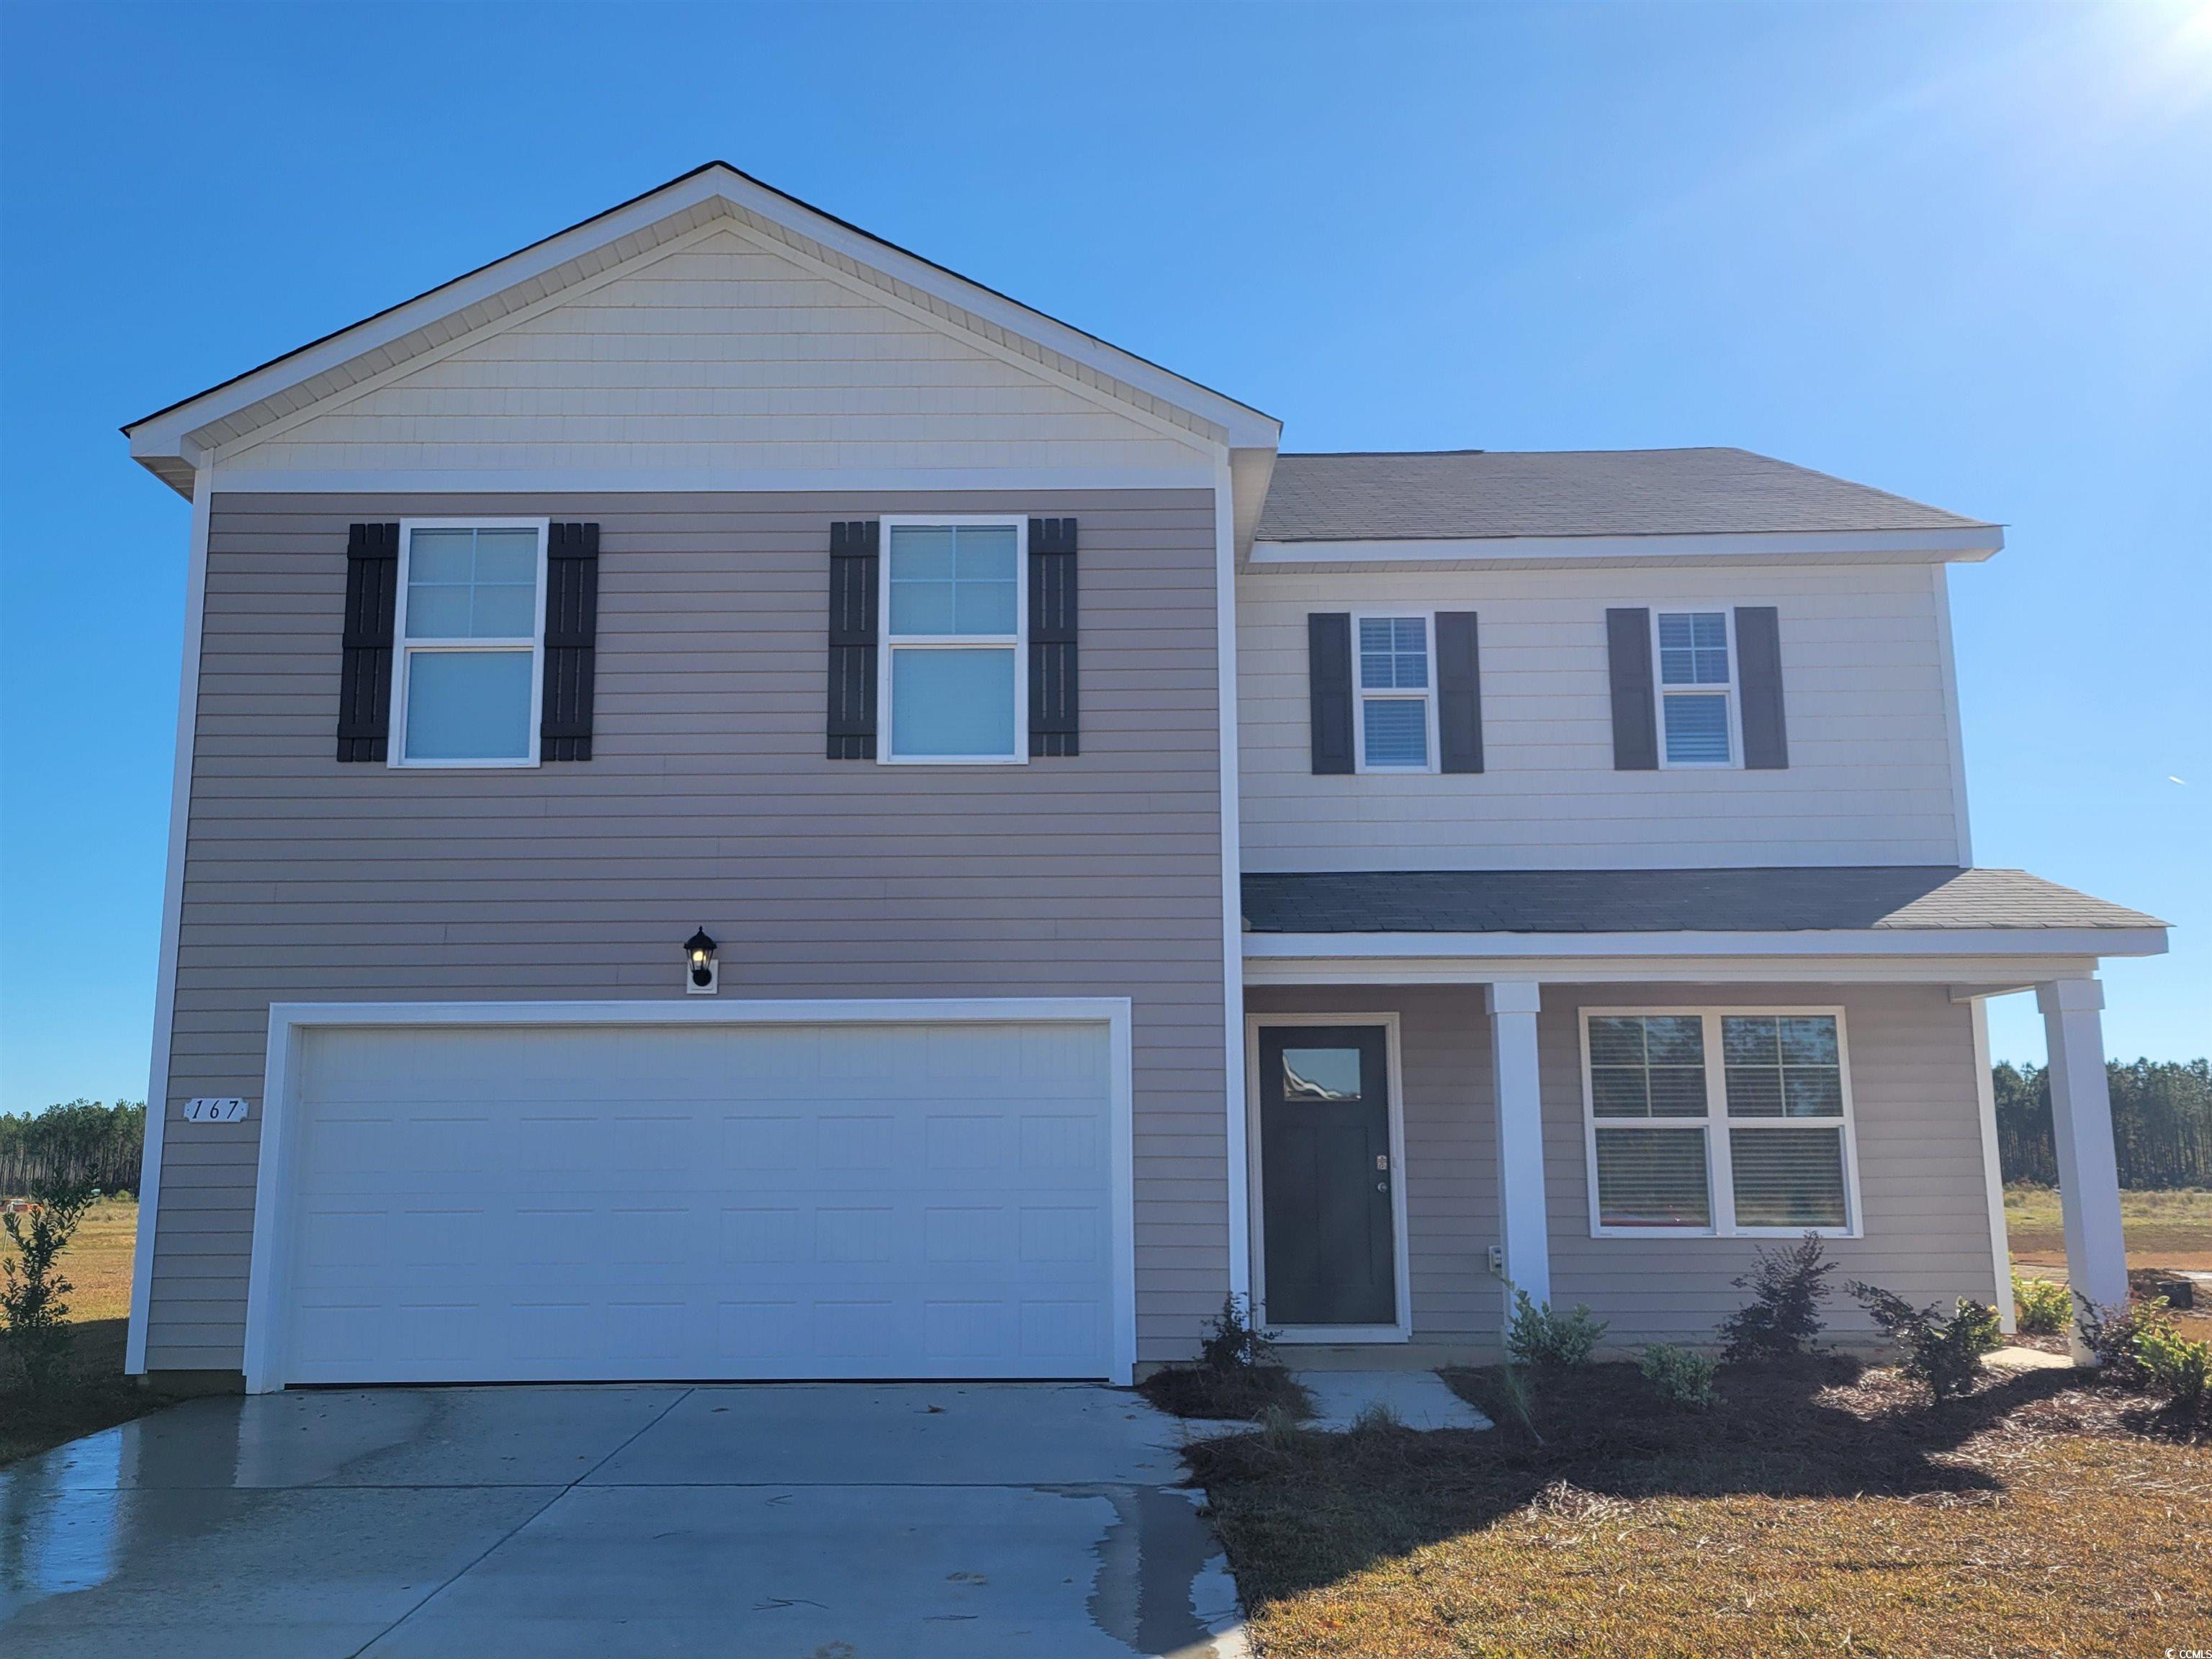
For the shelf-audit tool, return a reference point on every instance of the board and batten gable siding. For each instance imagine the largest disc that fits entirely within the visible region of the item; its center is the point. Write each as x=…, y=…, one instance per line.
x=1927, y=1217
x=717, y=353
x=707, y=800
x=1870, y=779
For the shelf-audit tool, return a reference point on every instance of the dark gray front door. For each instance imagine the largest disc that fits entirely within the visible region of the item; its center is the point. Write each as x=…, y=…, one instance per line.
x=1325, y=1176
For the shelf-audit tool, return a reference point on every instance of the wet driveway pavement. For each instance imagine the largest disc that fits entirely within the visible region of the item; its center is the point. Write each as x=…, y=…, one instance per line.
x=819, y=1522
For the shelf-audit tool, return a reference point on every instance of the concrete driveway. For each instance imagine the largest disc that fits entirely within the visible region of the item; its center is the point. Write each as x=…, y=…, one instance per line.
x=819, y=1522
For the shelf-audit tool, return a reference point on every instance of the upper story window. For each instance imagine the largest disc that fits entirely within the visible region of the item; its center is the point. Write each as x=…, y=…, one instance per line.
x=954, y=665
x=1696, y=689
x=1721, y=1122
x=1396, y=729
x=471, y=636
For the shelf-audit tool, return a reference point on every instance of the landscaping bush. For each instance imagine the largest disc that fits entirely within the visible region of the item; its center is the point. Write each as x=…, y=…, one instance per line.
x=33, y=1310
x=1232, y=1343
x=1549, y=1340
x=1944, y=1353
x=2041, y=1307
x=1787, y=1287
x=2138, y=1345
x=1237, y=1376
x=2175, y=1365
x=1681, y=1377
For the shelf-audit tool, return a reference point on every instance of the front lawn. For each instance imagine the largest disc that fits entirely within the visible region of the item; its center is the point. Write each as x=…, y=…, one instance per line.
x=98, y=1264
x=1817, y=1510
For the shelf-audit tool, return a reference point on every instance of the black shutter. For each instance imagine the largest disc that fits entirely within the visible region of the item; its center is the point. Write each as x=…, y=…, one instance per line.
x=1459, y=692
x=1329, y=689
x=365, y=656
x=572, y=628
x=1628, y=662
x=1053, y=726
x=1758, y=671
x=853, y=640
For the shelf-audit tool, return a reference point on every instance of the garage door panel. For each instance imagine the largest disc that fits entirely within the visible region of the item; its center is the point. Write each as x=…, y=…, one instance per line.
x=480, y=1204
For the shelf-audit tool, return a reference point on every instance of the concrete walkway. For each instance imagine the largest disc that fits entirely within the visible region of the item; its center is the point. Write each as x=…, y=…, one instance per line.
x=1417, y=1400
x=852, y=1520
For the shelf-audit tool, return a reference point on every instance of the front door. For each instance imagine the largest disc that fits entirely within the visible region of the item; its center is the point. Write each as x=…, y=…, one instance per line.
x=1325, y=1176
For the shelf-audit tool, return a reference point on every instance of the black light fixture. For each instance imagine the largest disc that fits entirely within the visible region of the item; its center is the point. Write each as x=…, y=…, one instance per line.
x=699, y=949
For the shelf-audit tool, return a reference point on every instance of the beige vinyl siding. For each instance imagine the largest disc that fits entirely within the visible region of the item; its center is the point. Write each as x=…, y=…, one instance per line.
x=1870, y=778
x=717, y=352
x=707, y=799
x=1927, y=1220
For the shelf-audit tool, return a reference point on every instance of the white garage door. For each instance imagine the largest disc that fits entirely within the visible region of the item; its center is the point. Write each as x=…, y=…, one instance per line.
x=862, y=1201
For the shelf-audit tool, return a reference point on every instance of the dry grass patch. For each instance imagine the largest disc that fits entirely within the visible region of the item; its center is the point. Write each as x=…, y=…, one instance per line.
x=1817, y=1510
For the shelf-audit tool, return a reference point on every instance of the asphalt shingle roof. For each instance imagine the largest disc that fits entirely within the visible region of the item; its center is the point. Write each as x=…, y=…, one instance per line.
x=1450, y=494
x=1670, y=901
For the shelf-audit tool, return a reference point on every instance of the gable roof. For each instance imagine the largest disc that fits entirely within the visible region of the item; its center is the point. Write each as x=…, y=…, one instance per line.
x=1480, y=495
x=174, y=441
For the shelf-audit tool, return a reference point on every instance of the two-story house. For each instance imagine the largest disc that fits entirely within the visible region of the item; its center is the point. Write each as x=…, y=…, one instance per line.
x=747, y=806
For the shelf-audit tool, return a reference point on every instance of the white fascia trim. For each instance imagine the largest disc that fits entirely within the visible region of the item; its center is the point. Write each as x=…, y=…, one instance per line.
x=172, y=908
x=160, y=435
x=598, y=480
x=1856, y=942
x=289, y=1022
x=1976, y=543
x=1946, y=971
x=1232, y=881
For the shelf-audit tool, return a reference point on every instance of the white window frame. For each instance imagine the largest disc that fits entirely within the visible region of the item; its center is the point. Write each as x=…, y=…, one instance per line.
x=402, y=647
x=1018, y=639
x=1720, y=1169
x=1733, y=689
x=1362, y=696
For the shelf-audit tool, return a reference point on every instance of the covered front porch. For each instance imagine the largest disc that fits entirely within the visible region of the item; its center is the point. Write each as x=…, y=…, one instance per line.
x=1463, y=1084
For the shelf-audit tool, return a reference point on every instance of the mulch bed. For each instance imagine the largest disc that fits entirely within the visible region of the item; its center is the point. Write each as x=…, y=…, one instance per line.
x=1243, y=1395
x=1820, y=1507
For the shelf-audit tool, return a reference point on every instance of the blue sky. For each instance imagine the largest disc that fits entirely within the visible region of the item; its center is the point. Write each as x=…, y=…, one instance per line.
x=1963, y=253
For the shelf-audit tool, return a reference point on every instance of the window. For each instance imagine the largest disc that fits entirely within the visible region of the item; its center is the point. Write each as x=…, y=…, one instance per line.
x=1722, y=1123
x=954, y=670
x=1397, y=719
x=1697, y=687
x=470, y=627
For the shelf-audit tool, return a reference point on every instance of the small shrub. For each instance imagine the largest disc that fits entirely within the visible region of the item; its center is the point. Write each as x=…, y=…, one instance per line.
x=1518, y=1397
x=2110, y=1335
x=1549, y=1340
x=2138, y=1345
x=1279, y=1428
x=33, y=1311
x=2175, y=1365
x=1232, y=1343
x=1787, y=1287
x=2041, y=1307
x=1944, y=1353
x=1681, y=1377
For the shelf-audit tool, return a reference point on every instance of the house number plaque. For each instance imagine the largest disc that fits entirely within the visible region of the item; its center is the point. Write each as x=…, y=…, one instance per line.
x=208, y=1108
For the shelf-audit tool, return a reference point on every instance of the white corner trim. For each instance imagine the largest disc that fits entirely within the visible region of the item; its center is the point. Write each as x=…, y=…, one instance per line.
x=1841, y=942
x=1240, y=1177
x=172, y=908
x=289, y=1022
x=1401, y=1264
x=1972, y=543
x=1946, y=665
x=1985, y=1104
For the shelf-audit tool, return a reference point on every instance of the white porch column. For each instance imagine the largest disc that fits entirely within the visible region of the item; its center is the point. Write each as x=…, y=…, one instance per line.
x=1521, y=1220
x=2081, y=1124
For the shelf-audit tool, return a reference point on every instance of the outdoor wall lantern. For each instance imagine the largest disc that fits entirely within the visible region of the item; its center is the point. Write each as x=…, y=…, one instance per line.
x=703, y=972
